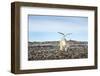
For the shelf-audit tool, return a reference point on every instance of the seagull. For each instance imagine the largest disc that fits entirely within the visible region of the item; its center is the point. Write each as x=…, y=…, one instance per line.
x=64, y=35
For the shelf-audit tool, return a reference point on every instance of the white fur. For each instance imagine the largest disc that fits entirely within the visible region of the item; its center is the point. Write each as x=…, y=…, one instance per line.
x=63, y=44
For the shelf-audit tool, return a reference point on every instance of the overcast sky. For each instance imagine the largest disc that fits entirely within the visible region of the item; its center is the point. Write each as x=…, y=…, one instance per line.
x=45, y=28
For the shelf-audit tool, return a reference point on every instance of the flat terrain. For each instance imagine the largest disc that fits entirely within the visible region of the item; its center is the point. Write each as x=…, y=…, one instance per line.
x=49, y=50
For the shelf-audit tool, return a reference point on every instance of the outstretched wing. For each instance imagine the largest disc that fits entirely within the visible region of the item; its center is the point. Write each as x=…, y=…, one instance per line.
x=61, y=33
x=68, y=34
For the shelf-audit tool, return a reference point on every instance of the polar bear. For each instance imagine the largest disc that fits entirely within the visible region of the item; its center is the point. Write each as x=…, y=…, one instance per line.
x=63, y=42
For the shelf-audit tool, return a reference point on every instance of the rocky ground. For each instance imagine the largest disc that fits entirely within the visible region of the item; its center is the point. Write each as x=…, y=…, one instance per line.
x=43, y=51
